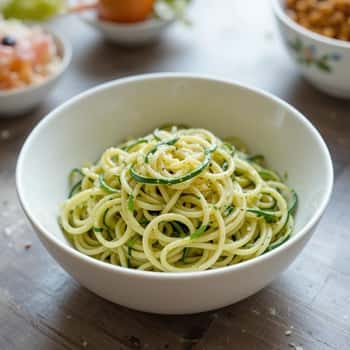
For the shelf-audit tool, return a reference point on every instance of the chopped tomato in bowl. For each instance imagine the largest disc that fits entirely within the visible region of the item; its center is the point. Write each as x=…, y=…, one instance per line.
x=28, y=55
x=32, y=61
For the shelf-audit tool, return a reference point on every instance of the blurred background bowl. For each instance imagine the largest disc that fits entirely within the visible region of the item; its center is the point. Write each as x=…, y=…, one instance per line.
x=128, y=34
x=323, y=61
x=18, y=101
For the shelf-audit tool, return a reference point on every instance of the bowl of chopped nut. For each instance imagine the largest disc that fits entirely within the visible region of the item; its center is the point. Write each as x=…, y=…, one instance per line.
x=317, y=37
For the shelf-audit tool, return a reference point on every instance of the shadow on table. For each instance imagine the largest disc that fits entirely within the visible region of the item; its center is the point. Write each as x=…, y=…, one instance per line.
x=102, y=60
x=313, y=102
x=14, y=129
x=89, y=319
x=94, y=321
x=328, y=114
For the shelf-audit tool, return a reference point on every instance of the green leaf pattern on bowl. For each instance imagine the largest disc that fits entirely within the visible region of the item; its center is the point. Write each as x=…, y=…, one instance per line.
x=307, y=55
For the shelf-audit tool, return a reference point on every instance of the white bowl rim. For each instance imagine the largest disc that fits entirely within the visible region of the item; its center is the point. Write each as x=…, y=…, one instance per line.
x=141, y=25
x=67, y=249
x=66, y=59
x=281, y=14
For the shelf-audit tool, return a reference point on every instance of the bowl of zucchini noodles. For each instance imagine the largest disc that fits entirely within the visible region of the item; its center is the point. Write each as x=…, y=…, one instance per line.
x=152, y=188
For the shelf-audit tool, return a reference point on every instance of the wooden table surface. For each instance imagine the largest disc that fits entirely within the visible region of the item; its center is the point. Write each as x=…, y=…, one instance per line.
x=308, y=307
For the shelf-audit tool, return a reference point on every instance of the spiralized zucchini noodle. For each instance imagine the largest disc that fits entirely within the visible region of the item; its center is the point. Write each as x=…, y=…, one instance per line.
x=179, y=199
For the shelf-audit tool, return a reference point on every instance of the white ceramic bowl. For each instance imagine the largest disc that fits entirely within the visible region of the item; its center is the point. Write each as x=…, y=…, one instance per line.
x=18, y=101
x=83, y=127
x=323, y=61
x=126, y=34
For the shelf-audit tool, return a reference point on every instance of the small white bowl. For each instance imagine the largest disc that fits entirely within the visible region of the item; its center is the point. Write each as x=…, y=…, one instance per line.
x=323, y=61
x=128, y=34
x=18, y=101
x=86, y=125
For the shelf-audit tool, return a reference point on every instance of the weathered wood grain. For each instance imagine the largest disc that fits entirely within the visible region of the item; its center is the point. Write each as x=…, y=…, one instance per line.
x=41, y=307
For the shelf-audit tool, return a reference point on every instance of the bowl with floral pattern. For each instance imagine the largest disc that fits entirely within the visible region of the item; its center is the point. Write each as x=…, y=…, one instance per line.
x=323, y=61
